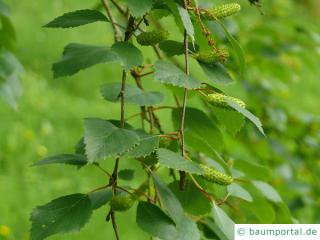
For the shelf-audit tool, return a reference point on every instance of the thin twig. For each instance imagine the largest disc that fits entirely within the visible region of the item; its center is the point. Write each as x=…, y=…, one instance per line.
x=114, y=24
x=204, y=192
x=102, y=169
x=120, y=9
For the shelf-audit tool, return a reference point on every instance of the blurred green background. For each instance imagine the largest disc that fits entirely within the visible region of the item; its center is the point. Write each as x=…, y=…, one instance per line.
x=282, y=87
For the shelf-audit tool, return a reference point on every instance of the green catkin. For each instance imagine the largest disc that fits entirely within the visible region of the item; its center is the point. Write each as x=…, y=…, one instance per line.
x=152, y=38
x=220, y=12
x=220, y=100
x=121, y=203
x=214, y=176
x=209, y=57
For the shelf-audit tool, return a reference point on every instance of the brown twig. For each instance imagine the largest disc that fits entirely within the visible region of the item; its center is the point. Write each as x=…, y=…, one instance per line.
x=117, y=32
x=119, y=8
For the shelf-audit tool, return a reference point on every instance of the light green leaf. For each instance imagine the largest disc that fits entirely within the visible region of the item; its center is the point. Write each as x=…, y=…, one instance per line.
x=224, y=222
x=126, y=174
x=253, y=170
x=186, y=228
x=133, y=94
x=103, y=139
x=268, y=191
x=77, y=18
x=193, y=201
x=70, y=159
x=4, y=9
x=173, y=160
x=261, y=208
x=172, y=48
x=168, y=73
x=216, y=72
x=62, y=215
x=77, y=57
x=147, y=144
x=255, y=120
x=236, y=190
x=237, y=48
x=186, y=21
x=100, y=198
x=139, y=8
x=151, y=219
x=206, y=131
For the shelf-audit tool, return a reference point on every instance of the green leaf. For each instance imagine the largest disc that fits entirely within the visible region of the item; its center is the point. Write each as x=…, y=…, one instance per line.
x=191, y=199
x=253, y=170
x=4, y=9
x=173, y=160
x=62, y=215
x=147, y=144
x=170, y=74
x=186, y=228
x=100, y=198
x=77, y=57
x=103, y=139
x=77, y=18
x=128, y=55
x=237, y=48
x=133, y=94
x=216, y=72
x=224, y=222
x=172, y=48
x=70, y=159
x=261, y=208
x=151, y=219
x=126, y=174
x=236, y=190
x=139, y=8
x=186, y=21
x=268, y=191
x=255, y=120
x=199, y=125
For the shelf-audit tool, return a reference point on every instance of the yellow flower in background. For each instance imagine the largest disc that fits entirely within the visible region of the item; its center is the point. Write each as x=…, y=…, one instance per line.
x=4, y=230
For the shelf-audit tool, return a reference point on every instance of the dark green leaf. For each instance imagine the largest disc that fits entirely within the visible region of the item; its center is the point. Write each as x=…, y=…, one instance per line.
x=247, y=114
x=152, y=220
x=173, y=160
x=199, y=125
x=77, y=57
x=100, y=198
x=261, y=208
x=147, y=144
x=172, y=48
x=224, y=222
x=133, y=94
x=103, y=139
x=216, y=72
x=77, y=18
x=126, y=174
x=193, y=201
x=70, y=159
x=139, y=8
x=62, y=215
x=168, y=73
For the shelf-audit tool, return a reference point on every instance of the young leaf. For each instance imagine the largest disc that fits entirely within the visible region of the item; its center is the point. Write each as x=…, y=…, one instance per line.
x=100, y=198
x=224, y=222
x=236, y=190
x=103, y=139
x=77, y=57
x=77, y=18
x=70, y=159
x=268, y=191
x=216, y=72
x=170, y=74
x=173, y=160
x=126, y=174
x=247, y=114
x=133, y=94
x=139, y=8
x=147, y=144
x=151, y=219
x=62, y=215
x=172, y=48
